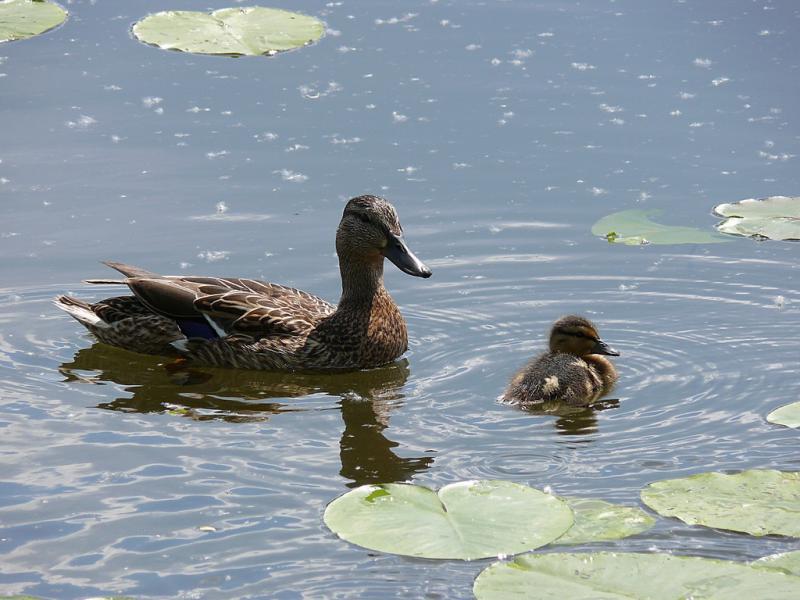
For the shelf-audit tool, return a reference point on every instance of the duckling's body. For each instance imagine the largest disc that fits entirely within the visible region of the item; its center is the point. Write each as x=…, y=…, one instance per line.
x=244, y=323
x=574, y=371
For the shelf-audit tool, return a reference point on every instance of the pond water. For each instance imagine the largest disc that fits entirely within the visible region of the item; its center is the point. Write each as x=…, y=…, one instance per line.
x=501, y=131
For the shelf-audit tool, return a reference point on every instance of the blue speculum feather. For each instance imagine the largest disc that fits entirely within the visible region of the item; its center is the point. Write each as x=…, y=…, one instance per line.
x=197, y=328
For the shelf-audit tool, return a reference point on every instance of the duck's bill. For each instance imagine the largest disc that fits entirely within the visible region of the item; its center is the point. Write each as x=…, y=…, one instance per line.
x=601, y=347
x=405, y=260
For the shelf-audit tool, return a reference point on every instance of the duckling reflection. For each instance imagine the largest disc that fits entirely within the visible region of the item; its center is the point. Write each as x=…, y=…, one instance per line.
x=572, y=420
x=366, y=401
x=572, y=372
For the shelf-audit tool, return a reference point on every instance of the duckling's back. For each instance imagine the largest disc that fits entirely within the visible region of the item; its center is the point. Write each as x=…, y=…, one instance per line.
x=556, y=376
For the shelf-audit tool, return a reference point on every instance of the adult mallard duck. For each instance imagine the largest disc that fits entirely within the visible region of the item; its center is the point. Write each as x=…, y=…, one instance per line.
x=249, y=324
x=573, y=371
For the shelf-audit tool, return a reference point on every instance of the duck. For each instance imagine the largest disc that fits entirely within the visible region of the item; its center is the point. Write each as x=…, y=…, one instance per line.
x=575, y=370
x=250, y=324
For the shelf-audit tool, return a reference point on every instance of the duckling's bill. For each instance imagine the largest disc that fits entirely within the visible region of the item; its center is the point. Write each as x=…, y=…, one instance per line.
x=398, y=252
x=600, y=347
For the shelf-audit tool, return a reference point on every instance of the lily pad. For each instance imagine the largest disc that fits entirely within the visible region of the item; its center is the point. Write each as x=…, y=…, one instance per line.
x=598, y=520
x=618, y=576
x=465, y=520
x=773, y=218
x=634, y=227
x=788, y=562
x=20, y=19
x=251, y=31
x=758, y=502
x=788, y=415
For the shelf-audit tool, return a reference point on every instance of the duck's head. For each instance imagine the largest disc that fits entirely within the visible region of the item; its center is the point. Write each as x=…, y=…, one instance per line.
x=370, y=231
x=578, y=336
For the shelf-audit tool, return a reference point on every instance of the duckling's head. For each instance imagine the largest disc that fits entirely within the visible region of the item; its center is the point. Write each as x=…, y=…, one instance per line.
x=578, y=336
x=370, y=231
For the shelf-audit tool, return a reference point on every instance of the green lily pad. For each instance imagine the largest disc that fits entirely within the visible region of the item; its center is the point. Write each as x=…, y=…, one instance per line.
x=20, y=19
x=465, y=520
x=634, y=227
x=598, y=520
x=251, y=31
x=773, y=218
x=788, y=562
x=758, y=502
x=788, y=415
x=618, y=576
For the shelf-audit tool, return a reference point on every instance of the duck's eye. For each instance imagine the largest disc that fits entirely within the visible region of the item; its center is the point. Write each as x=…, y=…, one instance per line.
x=364, y=218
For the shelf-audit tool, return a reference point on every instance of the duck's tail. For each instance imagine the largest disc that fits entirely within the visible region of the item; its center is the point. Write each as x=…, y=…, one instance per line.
x=80, y=310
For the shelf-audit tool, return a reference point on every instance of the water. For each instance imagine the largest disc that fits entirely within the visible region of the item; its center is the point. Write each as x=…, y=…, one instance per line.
x=501, y=131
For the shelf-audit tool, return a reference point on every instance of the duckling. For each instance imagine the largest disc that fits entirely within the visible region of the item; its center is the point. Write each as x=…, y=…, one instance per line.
x=250, y=324
x=572, y=372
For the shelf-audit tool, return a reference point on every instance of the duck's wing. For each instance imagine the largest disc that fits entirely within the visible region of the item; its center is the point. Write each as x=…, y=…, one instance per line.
x=258, y=308
x=229, y=305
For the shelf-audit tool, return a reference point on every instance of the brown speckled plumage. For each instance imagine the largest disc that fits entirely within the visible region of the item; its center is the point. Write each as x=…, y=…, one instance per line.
x=573, y=371
x=265, y=325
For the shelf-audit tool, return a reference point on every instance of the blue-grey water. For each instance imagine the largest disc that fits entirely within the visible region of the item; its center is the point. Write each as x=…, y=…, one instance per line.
x=501, y=131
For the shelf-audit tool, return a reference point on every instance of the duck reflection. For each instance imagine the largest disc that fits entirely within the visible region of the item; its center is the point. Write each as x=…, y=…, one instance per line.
x=572, y=420
x=366, y=401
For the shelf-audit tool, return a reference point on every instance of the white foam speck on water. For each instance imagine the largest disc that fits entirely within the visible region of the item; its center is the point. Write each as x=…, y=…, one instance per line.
x=289, y=175
x=398, y=117
x=312, y=91
x=267, y=136
x=720, y=81
x=582, y=66
x=335, y=139
x=704, y=63
x=82, y=122
x=396, y=20
x=151, y=101
x=686, y=95
x=214, y=255
x=215, y=155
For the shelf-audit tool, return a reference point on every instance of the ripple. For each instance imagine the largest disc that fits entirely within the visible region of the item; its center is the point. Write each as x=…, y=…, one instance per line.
x=133, y=462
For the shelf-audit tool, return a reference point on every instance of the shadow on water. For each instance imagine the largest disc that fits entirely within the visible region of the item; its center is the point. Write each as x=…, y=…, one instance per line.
x=366, y=400
x=573, y=420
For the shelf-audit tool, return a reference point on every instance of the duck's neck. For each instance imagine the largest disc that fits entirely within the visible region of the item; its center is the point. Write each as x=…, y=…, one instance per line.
x=362, y=284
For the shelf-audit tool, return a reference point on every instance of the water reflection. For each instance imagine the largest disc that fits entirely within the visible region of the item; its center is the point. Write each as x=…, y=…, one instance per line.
x=366, y=400
x=573, y=420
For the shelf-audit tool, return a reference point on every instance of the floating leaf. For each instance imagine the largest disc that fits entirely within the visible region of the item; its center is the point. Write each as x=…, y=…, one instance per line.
x=788, y=415
x=773, y=218
x=788, y=562
x=597, y=520
x=758, y=502
x=634, y=227
x=20, y=19
x=252, y=31
x=610, y=575
x=466, y=520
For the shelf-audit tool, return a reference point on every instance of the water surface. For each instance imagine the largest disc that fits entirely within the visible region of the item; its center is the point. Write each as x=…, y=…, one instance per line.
x=501, y=131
